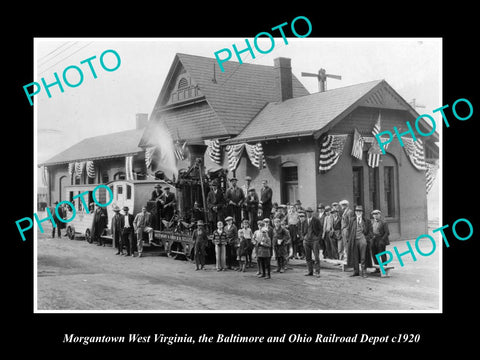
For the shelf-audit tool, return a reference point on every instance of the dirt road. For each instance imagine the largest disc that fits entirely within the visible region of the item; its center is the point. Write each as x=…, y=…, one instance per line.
x=75, y=275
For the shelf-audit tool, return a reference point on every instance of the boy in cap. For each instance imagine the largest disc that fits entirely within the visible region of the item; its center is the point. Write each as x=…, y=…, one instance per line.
x=264, y=253
x=281, y=240
x=380, y=235
x=231, y=233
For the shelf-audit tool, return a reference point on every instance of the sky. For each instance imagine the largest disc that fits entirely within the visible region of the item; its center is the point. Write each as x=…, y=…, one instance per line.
x=412, y=66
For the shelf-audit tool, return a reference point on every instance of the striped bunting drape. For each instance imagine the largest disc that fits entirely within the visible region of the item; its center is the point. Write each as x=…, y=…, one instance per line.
x=129, y=167
x=79, y=167
x=149, y=156
x=71, y=168
x=234, y=152
x=331, y=149
x=256, y=156
x=414, y=151
x=214, y=152
x=45, y=176
x=90, y=169
x=430, y=175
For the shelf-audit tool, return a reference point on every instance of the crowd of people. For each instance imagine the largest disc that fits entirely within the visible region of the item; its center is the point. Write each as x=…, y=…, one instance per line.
x=245, y=226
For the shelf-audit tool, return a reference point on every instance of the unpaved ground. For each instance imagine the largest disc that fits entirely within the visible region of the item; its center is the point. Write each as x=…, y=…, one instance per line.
x=75, y=275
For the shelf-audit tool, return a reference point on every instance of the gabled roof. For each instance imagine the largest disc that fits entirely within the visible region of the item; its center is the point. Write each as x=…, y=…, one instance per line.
x=308, y=115
x=235, y=96
x=100, y=147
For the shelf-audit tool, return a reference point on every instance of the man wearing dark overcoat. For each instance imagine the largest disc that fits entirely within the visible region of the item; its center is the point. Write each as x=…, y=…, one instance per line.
x=252, y=208
x=321, y=216
x=359, y=238
x=215, y=205
x=60, y=225
x=99, y=223
x=311, y=238
x=235, y=198
x=380, y=235
x=266, y=199
x=159, y=198
x=346, y=214
x=116, y=226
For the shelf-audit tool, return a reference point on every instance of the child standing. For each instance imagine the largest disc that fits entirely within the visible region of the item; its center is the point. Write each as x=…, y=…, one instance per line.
x=220, y=241
x=200, y=241
x=244, y=242
x=257, y=238
x=281, y=240
x=264, y=253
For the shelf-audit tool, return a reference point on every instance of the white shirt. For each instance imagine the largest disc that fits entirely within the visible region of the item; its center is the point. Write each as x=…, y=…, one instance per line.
x=127, y=223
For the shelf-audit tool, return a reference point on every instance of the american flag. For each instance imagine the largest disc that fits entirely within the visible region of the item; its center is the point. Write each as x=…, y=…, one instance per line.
x=259, y=156
x=374, y=152
x=357, y=148
x=149, y=156
x=179, y=150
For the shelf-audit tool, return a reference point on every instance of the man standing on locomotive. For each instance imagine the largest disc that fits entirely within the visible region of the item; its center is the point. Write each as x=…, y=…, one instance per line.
x=215, y=204
x=169, y=206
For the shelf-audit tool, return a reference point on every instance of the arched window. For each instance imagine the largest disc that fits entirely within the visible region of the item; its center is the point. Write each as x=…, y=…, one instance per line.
x=183, y=83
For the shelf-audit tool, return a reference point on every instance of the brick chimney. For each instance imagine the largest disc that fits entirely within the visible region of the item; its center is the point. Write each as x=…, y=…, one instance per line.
x=283, y=78
x=141, y=120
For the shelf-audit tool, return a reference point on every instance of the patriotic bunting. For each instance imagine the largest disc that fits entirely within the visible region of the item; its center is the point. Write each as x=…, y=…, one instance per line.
x=79, y=167
x=414, y=151
x=129, y=167
x=71, y=168
x=357, y=148
x=149, y=156
x=45, y=176
x=259, y=159
x=430, y=175
x=214, y=152
x=90, y=169
x=331, y=149
x=234, y=152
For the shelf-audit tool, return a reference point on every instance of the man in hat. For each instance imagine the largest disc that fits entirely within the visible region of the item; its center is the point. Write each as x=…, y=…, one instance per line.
x=336, y=232
x=321, y=216
x=245, y=188
x=99, y=223
x=252, y=208
x=347, y=215
x=301, y=230
x=159, y=198
x=231, y=233
x=116, y=226
x=215, y=204
x=266, y=199
x=60, y=225
x=359, y=234
x=330, y=251
x=143, y=223
x=169, y=205
x=298, y=206
x=235, y=198
x=311, y=242
x=380, y=235
x=127, y=232
x=200, y=241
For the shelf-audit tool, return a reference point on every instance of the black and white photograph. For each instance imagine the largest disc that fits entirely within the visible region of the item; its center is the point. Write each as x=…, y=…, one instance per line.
x=235, y=175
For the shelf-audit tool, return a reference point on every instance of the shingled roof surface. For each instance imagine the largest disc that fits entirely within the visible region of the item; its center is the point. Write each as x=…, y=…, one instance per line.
x=100, y=147
x=303, y=115
x=236, y=96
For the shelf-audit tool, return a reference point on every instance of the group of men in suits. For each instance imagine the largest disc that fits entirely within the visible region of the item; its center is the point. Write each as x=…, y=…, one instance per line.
x=349, y=235
x=125, y=227
x=239, y=203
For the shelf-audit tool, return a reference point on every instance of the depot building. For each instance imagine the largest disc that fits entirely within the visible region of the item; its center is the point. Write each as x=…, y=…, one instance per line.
x=260, y=121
